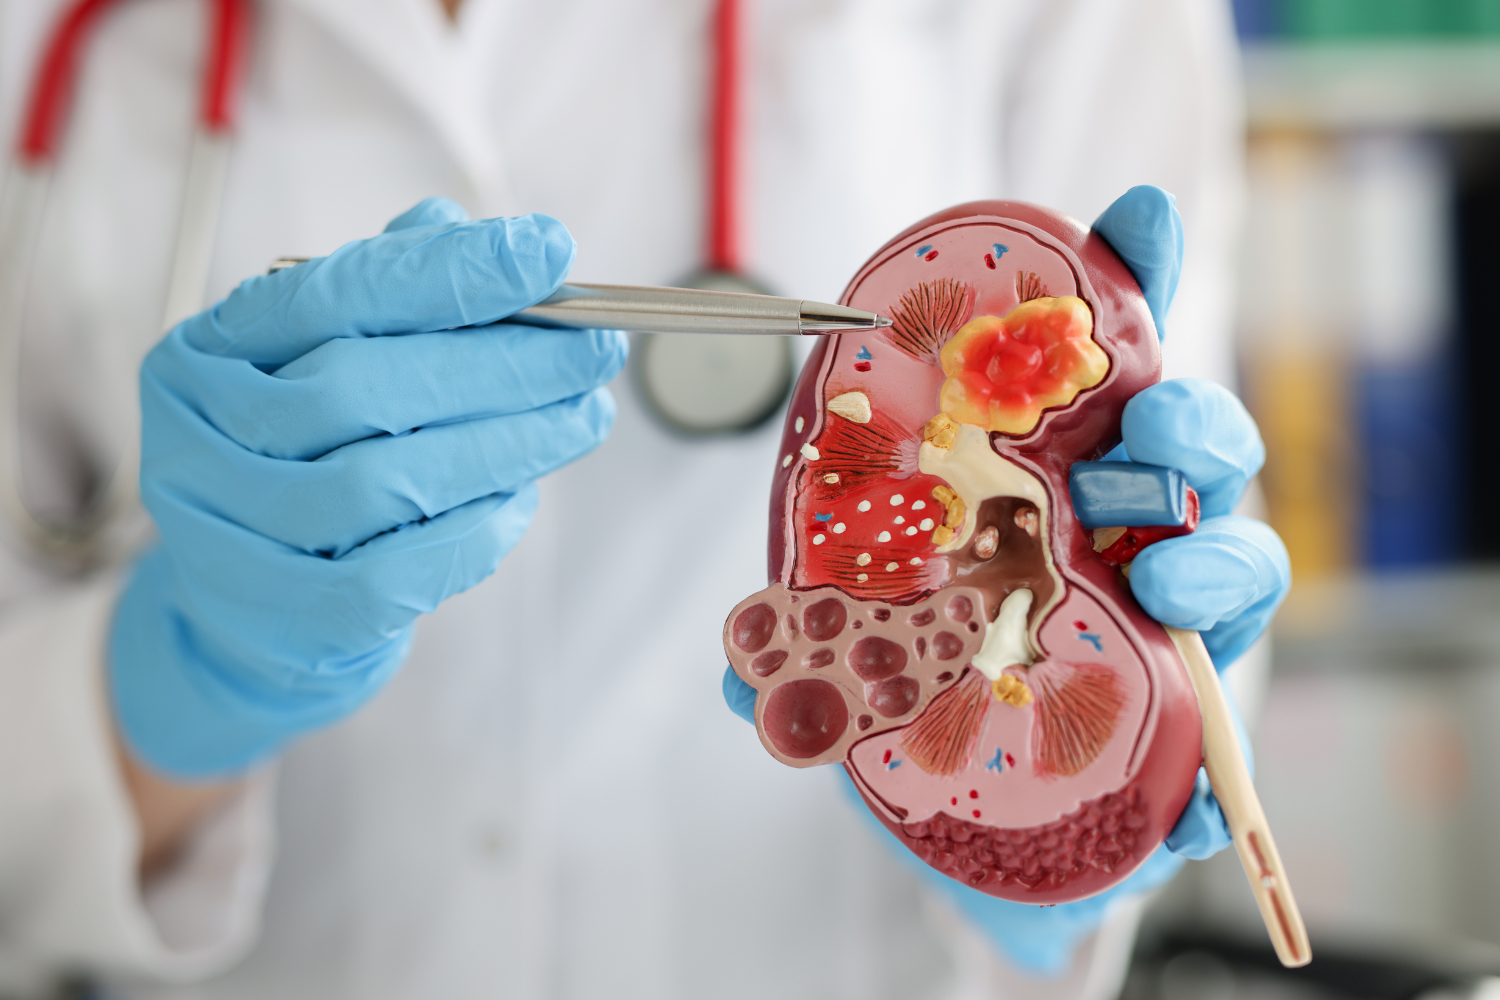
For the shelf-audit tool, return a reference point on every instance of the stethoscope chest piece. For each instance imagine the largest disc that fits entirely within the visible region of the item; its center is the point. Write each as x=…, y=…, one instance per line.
x=703, y=385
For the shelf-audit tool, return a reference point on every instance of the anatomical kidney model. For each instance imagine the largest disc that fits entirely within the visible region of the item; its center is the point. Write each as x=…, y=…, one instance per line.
x=938, y=620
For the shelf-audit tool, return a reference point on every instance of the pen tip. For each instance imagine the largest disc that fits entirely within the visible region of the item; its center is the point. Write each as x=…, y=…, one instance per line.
x=881, y=321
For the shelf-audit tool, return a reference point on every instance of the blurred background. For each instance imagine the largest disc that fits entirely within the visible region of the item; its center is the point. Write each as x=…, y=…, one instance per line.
x=1367, y=337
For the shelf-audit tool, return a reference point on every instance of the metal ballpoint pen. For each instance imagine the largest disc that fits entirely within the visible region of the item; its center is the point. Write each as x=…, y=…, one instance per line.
x=683, y=310
x=690, y=310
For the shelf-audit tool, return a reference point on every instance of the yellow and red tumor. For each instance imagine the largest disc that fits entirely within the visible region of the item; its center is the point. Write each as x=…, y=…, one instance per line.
x=1003, y=371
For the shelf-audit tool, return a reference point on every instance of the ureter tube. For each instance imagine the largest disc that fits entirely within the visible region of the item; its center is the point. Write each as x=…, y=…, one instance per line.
x=1230, y=776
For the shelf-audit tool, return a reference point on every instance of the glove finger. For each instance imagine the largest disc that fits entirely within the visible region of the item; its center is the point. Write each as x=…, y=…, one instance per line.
x=334, y=504
x=408, y=281
x=739, y=696
x=428, y=212
x=1144, y=228
x=419, y=566
x=295, y=641
x=1201, y=429
x=1044, y=939
x=1224, y=580
x=281, y=618
x=196, y=715
x=349, y=390
x=1040, y=939
x=1201, y=830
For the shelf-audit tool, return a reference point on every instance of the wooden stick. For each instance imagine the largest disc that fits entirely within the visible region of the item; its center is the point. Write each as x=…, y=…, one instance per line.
x=1230, y=777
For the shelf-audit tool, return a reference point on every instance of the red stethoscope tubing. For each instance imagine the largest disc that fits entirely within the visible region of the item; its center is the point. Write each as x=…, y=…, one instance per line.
x=45, y=119
x=105, y=534
x=709, y=386
x=46, y=115
x=44, y=124
x=725, y=120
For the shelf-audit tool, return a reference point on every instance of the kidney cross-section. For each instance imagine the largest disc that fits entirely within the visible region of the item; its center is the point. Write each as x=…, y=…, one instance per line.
x=937, y=620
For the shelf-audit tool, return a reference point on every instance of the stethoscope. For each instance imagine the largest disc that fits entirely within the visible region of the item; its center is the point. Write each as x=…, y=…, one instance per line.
x=696, y=385
x=707, y=386
x=113, y=525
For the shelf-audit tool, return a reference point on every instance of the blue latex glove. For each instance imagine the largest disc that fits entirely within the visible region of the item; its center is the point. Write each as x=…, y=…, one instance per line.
x=1039, y=939
x=1144, y=228
x=1228, y=577
x=326, y=459
x=1225, y=580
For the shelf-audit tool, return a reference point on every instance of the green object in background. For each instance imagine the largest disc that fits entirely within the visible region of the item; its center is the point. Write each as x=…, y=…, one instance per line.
x=1339, y=20
x=1484, y=16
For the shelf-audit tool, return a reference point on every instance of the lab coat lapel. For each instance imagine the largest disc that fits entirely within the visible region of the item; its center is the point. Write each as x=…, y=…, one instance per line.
x=434, y=67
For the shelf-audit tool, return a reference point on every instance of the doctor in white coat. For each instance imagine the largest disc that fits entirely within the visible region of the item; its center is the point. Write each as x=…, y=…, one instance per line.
x=549, y=799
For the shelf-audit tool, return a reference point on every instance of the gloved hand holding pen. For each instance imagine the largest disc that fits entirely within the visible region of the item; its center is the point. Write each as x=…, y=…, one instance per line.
x=326, y=457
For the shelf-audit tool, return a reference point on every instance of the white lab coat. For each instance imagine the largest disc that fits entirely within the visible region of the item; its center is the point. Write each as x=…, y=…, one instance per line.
x=551, y=799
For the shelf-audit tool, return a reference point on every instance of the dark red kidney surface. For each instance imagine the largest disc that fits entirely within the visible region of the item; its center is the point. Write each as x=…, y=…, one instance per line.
x=1039, y=755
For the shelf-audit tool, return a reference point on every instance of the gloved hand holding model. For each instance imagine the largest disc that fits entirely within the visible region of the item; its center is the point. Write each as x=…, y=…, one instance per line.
x=326, y=458
x=1225, y=580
